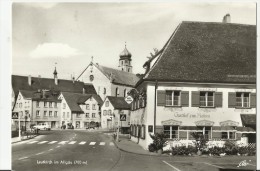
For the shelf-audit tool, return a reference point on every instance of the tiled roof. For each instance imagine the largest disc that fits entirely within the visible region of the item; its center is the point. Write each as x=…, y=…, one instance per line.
x=119, y=103
x=119, y=77
x=248, y=119
x=37, y=96
x=21, y=83
x=74, y=99
x=208, y=52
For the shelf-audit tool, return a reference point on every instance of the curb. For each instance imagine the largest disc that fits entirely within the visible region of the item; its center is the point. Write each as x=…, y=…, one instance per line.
x=24, y=140
x=121, y=149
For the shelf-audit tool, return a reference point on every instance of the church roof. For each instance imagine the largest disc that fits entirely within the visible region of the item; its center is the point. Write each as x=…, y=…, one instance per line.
x=125, y=53
x=21, y=83
x=118, y=76
x=208, y=52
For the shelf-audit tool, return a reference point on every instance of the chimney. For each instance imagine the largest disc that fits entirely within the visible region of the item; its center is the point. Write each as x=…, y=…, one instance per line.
x=83, y=91
x=29, y=80
x=227, y=18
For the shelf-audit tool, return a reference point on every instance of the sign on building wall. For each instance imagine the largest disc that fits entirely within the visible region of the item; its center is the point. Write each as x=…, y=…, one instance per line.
x=129, y=99
x=15, y=115
x=122, y=117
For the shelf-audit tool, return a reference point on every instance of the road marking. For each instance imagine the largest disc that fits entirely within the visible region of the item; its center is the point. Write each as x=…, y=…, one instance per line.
x=52, y=142
x=32, y=142
x=82, y=142
x=72, y=142
x=39, y=153
x=111, y=144
x=50, y=149
x=22, y=158
x=171, y=166
x=42, y=142
x=213, y=165
x=102, y=143
x=63, y=142
x=92, y=143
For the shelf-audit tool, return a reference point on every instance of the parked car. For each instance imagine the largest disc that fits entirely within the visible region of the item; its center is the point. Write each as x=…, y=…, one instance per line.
x=42, y=126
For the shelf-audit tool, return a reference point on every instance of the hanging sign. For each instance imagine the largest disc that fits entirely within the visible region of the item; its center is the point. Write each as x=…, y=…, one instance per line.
x=122, y=117
x=129, y=99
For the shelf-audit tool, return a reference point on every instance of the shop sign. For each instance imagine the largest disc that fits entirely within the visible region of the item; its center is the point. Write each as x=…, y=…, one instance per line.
x=122, y=117
x=129, y=99
x=15, y=115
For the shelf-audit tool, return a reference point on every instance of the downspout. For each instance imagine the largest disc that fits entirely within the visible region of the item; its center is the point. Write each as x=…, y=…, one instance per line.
x=155, y=96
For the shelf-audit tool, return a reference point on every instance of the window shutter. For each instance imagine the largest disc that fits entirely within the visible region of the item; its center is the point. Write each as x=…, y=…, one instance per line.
x=231, y=100
x=218, y=99
x=185, y=99
x=195, y=98
x=161, y=101
x=253, y=100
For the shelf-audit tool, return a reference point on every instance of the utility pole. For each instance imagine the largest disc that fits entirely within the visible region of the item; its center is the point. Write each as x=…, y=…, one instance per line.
x=19, y=125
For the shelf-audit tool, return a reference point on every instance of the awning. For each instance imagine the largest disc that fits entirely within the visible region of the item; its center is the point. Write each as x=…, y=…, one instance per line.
x=223, y=128
x=248, y=119
x=246, y=130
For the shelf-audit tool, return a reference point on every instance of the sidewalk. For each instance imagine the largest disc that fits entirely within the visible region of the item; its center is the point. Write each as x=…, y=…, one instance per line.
x=23, y=138
x=126, y=145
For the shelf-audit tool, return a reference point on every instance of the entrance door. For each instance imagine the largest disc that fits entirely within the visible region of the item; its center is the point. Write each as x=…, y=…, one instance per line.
x=53, y=123
x=109, y=124
x=77, y=124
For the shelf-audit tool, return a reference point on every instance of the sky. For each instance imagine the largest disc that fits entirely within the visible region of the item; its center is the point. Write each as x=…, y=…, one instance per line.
x=67, y=35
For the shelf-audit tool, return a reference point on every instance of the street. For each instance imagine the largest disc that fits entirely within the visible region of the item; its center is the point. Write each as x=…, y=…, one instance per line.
x=78, y=150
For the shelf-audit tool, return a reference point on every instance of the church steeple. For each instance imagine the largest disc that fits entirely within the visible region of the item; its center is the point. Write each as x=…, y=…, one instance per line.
x=125, y=61
x=55, y=74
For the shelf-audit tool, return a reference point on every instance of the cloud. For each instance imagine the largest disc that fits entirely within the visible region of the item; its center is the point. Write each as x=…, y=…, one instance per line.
x=48, y=50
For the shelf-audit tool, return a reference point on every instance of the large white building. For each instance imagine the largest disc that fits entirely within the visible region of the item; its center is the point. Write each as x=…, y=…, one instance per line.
x=203, y=80
x=109, y=81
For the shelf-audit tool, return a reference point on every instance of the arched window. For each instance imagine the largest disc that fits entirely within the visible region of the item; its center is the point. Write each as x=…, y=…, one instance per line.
x=105, y=90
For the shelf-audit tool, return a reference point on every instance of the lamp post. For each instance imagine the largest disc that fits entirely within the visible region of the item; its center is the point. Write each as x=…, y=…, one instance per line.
x=19, y=125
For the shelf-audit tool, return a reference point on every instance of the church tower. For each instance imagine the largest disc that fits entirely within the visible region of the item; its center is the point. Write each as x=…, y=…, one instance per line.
x=125, y=61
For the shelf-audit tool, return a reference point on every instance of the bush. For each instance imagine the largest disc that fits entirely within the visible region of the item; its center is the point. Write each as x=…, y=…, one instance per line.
x=152, y=147
x=216, y=150
x=159, y=141
x=182, y=150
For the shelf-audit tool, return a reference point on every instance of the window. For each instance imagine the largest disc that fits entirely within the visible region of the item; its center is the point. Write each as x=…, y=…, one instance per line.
x=107, y=103
x=45, y=113
x=50, y=113
x=206, y=99
x=64, y=105
x=173, y=98
x=104, y=112
x=45, y=104
x=87, y=106
x=37, y=104
x=55, y=104
x=105, y=90
x=55, y=114
x=117, y=92
x=63, y=115
x=20, y=105
x=228, y=135
x=90, y=99
x=68, y=114
x=93, y=115
x=78, y=115
x=242, y=100
x=37, y=113
x=125, y=91
x=50, y=104
x=87, y=115
x=109, y=112
x=93, y=107
x=171, y=131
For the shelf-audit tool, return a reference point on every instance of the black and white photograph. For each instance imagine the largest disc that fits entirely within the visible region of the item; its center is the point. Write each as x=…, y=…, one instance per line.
x=132, y=86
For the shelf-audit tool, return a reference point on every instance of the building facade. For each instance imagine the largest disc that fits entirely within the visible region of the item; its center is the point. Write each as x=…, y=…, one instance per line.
x=195, y=85
x=111, y=110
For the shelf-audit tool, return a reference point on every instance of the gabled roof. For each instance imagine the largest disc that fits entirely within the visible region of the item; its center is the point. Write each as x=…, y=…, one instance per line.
x=119, y=103
x=21, y=83
x=118, y=76
x=37, y=96
x=75, y=99
x=208, y=52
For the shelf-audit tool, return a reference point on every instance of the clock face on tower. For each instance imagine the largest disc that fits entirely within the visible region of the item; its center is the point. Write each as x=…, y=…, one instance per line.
x=91, y=77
